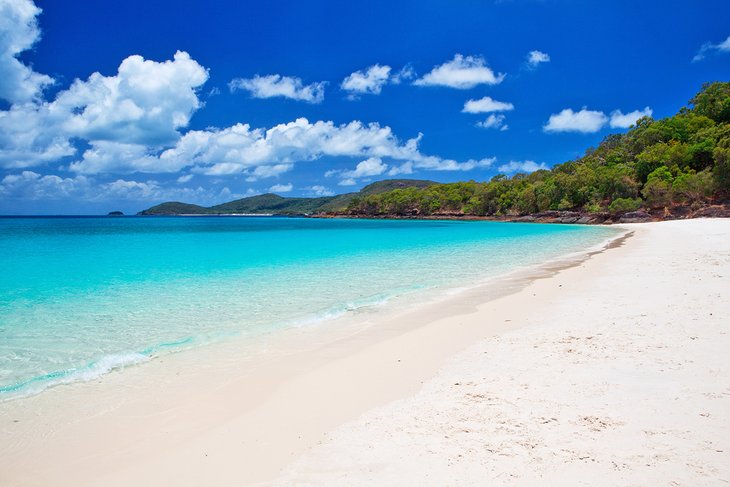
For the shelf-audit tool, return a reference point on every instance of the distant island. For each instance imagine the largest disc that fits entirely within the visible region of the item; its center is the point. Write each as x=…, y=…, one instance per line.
x=676, y=167
x=115, y=213
x=272, y=204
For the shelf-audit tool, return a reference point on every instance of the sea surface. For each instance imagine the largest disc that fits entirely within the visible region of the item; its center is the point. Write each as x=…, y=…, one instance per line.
x=81, y=296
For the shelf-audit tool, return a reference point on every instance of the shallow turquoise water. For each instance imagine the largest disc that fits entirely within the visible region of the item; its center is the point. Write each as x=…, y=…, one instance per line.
x=82, y=296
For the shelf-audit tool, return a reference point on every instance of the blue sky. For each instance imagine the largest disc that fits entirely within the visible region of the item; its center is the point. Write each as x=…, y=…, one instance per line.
x=121, y=105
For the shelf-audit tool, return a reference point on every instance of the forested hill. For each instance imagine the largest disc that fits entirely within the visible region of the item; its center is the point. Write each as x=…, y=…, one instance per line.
x=670, y=167
x=279, y=205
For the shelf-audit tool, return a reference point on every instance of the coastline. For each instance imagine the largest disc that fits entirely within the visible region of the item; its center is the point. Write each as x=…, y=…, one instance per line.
x=623, y=379
x=169, y=423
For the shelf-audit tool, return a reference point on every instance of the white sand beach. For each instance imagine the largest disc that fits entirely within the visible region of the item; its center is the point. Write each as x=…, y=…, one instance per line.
x=618, y=374
x=611, y=371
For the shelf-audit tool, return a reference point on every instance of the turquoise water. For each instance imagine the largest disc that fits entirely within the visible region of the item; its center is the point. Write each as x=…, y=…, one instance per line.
x=82, y=296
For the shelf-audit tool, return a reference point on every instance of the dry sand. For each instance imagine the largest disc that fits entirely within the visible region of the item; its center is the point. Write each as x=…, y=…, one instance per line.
x=614, y=371
x=622, y=380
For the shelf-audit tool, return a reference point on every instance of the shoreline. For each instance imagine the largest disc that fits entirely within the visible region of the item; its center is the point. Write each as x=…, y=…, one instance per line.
x=350, y=319
x=622, y=380
x=171, y=424
x=160, y=387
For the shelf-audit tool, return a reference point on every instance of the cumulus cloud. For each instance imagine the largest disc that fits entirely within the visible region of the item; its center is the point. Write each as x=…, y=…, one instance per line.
x=534, y=58
x=521, y=167
x=626, y=120
x=493, y=121
x=487, y=105
x=590, y=121
x=116, y=157
x=267, y=171
x=370, y=81
x=30, y=135
x=373, y=166
x=709, y=48
x=274, y=85
x=319, y=190
x=240, y=149
x=405, y=168
x=19, y=32
x=281, y=188
x=142, y=106
x=144, y=103
x=30, y=185
x=584, y=121
x=462, y=72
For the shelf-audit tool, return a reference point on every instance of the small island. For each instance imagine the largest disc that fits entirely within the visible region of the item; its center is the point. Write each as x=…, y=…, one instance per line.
x=115, y=213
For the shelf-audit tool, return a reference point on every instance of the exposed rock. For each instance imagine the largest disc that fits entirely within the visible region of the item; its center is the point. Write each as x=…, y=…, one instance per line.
x=635, y=217
x=526, y=218
x=715, y=211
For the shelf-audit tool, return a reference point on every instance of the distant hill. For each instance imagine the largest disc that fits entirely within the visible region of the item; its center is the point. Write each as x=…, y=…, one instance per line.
x=280, y=205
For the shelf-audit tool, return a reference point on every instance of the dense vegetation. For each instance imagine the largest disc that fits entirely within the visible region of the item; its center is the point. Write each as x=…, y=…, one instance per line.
x=681, y=161
x=278, y=205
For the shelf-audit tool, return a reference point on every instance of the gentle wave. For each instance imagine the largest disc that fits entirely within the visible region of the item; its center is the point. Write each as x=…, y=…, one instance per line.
x=91, y=371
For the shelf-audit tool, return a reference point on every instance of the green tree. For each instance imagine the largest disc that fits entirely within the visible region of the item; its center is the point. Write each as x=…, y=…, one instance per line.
x=693, y=187
x=658, y=188
x=713, y=101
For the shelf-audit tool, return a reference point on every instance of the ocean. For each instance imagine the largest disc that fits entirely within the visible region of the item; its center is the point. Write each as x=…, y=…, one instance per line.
x=82, y=296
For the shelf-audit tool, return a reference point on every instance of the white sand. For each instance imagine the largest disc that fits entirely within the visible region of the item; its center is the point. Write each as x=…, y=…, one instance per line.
x=623, y=380
x=613, y=372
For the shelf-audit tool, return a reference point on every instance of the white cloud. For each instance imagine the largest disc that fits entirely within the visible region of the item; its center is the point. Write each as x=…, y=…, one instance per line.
x=709, y=48
x=405, y=168
x=30, y=136
x=534, y=58
x=263, y=172
x=371, y=81
x=494, y=121
x=347, y=182
x=487, y=105
x=185, y=178
x=240, y=149
x=144, y=103
x=29, y=185
x=589, y=121
x=373, y=166
x=34, y=186
x=521, y=167
x=407, y=72
x=281, y=188
x=274, y=85
x=115, y=157
x=461, y=73
x=584, y=121
x=319, y=190
x=626, y=120
x=19, y=32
